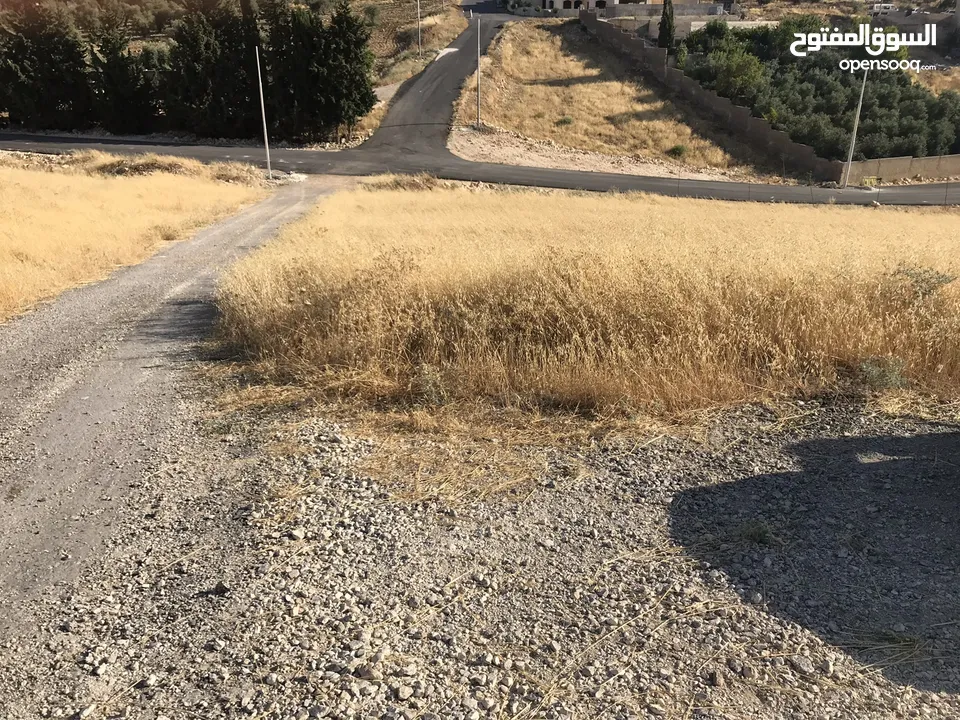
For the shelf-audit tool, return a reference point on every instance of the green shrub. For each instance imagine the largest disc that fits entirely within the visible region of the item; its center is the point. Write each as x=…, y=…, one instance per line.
x=677, y=151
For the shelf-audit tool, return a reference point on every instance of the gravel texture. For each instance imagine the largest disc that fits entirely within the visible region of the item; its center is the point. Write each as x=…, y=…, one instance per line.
x=161, y=558
x=510, y=148
x=89, y=382
x=774, y=567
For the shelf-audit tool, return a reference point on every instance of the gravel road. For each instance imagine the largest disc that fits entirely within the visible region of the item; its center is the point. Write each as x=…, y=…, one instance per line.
x=778, y=566
x=89, y=382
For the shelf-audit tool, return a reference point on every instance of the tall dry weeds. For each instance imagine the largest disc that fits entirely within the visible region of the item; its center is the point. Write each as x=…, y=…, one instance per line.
x=548, y=80
x=100, y=164
x=76, y=220
x=599, y=303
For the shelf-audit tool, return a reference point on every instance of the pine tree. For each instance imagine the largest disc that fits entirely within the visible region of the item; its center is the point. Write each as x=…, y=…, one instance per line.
x=212, y=82
x=351, y=64
x=302, y=106
x=665, y=37
x=43, y=71
x=235, y=98
x=189, y=82
x=124, y=91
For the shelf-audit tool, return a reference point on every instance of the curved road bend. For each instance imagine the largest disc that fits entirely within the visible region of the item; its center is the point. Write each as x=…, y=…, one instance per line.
x=413, y=139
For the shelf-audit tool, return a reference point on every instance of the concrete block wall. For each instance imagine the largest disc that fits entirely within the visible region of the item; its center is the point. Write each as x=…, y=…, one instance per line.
x=650, y=10
x=905, y=168
x=757, y=131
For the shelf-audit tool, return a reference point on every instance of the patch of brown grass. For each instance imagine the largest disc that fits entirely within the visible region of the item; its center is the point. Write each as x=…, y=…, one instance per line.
x=548, y=80
x=780, y=9
x=70, y=220
x=394, y=39
x=101, y=164
x=371, y=121
x=939, y=81
x=609, y=304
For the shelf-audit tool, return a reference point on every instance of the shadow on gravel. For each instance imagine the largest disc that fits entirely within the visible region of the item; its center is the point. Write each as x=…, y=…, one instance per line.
x=179, y=321
x=861, y=546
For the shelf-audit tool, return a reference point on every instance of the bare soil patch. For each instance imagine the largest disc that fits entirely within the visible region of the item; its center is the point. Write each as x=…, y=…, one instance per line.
x=549, y=81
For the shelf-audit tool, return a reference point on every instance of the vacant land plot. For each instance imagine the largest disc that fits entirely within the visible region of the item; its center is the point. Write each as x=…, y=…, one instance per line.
x=394, y=37
x=779, y=9
x=940, y=80
x=70, y=220
x=549, y=81
x=784, y=560
x=631, y=303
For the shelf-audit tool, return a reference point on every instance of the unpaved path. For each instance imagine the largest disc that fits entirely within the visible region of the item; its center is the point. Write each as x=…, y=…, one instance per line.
x=88, y=384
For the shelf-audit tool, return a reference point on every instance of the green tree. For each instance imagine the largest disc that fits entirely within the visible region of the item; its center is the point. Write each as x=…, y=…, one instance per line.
x=739, y=75
x=43, y=71
x=212, y=81
x=235, y=99
x=125, y=91
x=301, y=103
x=189, y=82
x=665, y=37
x=350, y=66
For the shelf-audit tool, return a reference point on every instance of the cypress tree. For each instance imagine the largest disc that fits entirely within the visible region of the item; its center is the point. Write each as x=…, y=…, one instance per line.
x=212, y=82
x=301, y=104
x=5, y=39
x=665, y=37
x=124, y=93
x=235, y=99
x=43, y=70
x=351, y=64
x=189, y=81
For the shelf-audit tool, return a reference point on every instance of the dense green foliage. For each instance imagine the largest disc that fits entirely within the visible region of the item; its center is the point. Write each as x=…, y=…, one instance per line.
x=667, y=29
x=317, y=75
x=813, y=100
x=43, y=71
x=126, y=87
x=305, y=55
x=144, y=17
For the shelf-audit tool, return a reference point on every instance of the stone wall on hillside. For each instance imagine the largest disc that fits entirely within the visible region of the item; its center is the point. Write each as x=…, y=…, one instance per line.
x=757, y=132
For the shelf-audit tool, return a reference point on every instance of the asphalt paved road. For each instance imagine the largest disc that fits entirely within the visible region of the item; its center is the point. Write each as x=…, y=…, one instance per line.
x=412, y=138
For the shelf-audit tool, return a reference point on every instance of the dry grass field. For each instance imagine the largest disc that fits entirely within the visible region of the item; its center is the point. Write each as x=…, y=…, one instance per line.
x=394, y=37
x=68, y=220
x=939, y=81
x=608, y=304
x=780, y=9
x=548, y=80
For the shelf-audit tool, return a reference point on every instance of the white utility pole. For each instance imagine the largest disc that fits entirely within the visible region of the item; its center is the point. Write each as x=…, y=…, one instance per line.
x=856, y=123
x=263, y=112
x=419, y=43
x=478, y=72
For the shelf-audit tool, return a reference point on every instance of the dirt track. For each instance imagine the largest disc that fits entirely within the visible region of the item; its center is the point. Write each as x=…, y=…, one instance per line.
x=88, y=385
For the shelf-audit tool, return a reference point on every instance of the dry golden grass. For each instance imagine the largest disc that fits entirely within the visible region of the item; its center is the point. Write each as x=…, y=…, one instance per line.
x=940, y=80
x=395, y=44
x=780, y=9
x=68, y=220
x=368, y=124
x=604, y=303
x=547, y=80
x=96, y=163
